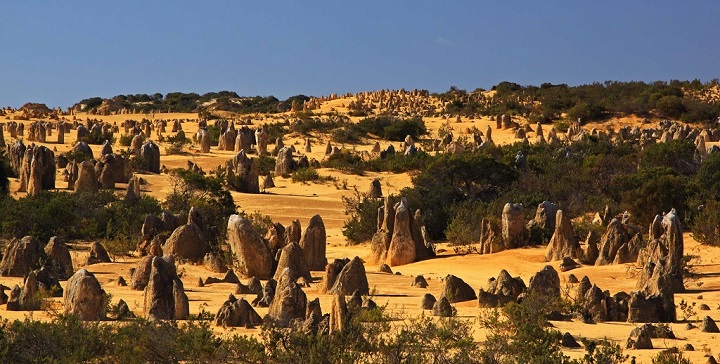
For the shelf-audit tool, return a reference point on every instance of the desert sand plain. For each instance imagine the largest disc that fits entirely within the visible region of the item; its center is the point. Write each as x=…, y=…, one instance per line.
x=288, y=201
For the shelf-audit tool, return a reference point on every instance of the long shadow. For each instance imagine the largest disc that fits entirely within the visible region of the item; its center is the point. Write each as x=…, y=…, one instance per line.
x=391, y=295
x=699, y=290
x=708, y=275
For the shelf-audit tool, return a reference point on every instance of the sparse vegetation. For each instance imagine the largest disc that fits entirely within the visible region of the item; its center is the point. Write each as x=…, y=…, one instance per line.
x=597, y=101
x=305, y=175
x=362, y=221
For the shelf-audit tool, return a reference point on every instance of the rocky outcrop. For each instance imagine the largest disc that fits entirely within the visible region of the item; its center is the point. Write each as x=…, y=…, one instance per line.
x=84, y=297
x=187, y=242
x=338, y=314
x=21, y=257
x=293, y=257
x=490, y=237
x=98, y=254
x=375, y=190
x=428, y=301
x=401, y=237
x=351, y=278
x=38, y=172
x=501, y=290
x=402, y=246
x=616, y=235
x=709, y=325
x=654, y=301
x=87, y=181
x=382, y=237
x=243, y=174
x=456, y=290
x=204, y=139
x=442, y=308
x=546, y=215
x=563, y=242
x=59, y=259
x=25, y=298
x=251, y=251
x=546, y=282
x=237, y=313
x=666, y=249
x=313, y=243
x=639, y=339
x=289, y=302
x=332, y=270
x=150, y=153
x=284, y=164
x=513, y=226
x=293, y=233
x=600, y=306
x=164, y=295
x=261, y=139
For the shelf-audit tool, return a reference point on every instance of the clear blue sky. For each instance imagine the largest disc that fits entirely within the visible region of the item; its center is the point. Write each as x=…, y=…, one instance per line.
x=59, y=52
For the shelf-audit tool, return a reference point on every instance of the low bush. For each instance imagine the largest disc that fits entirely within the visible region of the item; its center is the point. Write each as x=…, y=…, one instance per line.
x=100, y=215
x=208, y=196
x=392, y=128
x=306, y=175
x=126, y=140
x=362, y=217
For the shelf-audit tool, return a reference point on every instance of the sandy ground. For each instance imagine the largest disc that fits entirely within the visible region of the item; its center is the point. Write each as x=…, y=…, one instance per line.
x=289, y=201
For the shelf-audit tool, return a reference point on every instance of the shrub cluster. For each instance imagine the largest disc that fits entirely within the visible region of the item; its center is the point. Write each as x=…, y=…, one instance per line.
x=456, y=191
x=684, y=100
x=102, y=215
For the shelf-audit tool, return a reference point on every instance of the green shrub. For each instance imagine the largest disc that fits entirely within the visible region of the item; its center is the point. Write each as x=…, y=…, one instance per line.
x=706, y=227
x=266, y=164
x=670, y=356
x=5, y=172
x=348, y=162
x=126, y=140
x=464, y=225
x=97, y=139
x=306, y=175
x=99, y=215
x=392, y=128
x=707, y=178
x=208, y=196
x=77, y=156
x=677, y=154
x=346, y=135
x=653, y=191
x=362, y=221
x=214, y=134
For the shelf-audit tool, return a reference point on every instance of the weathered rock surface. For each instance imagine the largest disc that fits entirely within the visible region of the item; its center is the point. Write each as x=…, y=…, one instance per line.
x=456, y=290
x=237, y=313
x=21, y=257
x=289, y=302
x=546, y=282
x=98, y=254
x=293, y=257
x=351, y=278
x=563, y=242
x=187, y=242
x=84, y=297
x=251, y=251
x=164, y=295
x=501, y=290
x=401, y=250
x=313, y=243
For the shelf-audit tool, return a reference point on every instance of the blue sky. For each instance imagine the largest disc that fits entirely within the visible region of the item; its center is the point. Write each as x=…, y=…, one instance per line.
x=58, y=54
